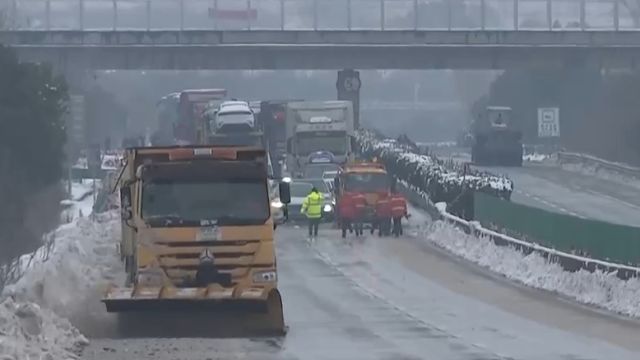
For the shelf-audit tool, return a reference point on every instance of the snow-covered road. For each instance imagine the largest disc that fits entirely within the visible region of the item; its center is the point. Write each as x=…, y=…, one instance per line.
x=402, y=298
x=577, y=193
x=555, y=189
x=57, y=282
x=414, y=297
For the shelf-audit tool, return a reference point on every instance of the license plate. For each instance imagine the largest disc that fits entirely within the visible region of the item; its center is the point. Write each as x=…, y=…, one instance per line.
x=208, y=234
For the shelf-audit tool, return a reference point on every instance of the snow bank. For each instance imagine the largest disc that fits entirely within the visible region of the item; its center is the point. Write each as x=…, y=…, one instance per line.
x=82, y=260
x=535, y=157
x=28, y=331
x=601, y=289
x=65, y=284
x=592, y=169
x=81, y=202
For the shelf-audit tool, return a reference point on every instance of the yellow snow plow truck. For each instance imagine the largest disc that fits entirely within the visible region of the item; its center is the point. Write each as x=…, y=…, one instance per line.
x=198, y=238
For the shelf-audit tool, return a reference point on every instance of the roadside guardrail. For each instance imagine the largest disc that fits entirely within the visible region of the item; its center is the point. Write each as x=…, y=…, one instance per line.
x=569, y=262
x=597, y=163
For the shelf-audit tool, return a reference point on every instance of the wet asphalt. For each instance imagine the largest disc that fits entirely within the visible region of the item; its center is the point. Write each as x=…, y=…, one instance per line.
x=379, y=299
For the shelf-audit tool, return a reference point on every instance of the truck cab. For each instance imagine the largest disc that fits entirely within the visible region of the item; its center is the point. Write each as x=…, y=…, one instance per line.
x=496, y=138
x=318, y=126
x=198, y=230
x=369, y=179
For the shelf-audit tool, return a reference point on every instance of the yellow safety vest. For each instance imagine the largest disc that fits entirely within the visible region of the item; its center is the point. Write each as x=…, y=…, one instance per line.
x=312, y=205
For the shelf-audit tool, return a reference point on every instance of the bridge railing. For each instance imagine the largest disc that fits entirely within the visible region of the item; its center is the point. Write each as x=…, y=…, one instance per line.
x=100, y=15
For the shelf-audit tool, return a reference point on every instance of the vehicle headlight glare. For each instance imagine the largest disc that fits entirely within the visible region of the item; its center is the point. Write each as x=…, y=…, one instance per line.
x=265, y=276
x=277, y=204
x=328, y=208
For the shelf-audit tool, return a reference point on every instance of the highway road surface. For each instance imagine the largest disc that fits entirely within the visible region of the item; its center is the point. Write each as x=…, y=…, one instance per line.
x=573, y=193
x=555, y=189
x=385, y=298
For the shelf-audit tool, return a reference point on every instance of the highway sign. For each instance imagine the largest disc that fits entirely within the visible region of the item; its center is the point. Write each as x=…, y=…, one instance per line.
x=548, y=122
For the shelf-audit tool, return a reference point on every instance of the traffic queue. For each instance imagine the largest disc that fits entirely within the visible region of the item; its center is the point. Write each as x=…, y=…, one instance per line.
x=354, y=196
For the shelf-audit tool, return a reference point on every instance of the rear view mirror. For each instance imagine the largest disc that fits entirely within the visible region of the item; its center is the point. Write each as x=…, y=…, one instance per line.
x=289, y=147
x=125, y=203
x=285, y=193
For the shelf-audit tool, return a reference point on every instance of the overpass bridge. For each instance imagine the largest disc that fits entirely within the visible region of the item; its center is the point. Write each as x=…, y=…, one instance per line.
x=322, y=34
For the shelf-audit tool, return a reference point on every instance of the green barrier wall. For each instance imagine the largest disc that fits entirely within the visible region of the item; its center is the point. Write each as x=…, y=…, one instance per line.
x=597, y=239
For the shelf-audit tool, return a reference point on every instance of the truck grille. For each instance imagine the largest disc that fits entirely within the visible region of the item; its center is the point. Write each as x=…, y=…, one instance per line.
x=180, y=260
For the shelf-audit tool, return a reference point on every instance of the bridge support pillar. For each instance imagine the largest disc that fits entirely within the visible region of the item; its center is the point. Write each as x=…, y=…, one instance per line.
x=348, y=86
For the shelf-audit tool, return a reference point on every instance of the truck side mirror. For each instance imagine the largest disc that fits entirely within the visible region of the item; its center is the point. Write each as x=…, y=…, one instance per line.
x=354, y=143
x=125, y=203
x=285, y=192
x=289, y=150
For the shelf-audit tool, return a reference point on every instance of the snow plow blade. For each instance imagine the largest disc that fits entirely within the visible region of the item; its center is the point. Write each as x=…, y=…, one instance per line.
x=206, y=313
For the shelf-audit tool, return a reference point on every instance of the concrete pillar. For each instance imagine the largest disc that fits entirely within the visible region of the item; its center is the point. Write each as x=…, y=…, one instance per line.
x=348, y=86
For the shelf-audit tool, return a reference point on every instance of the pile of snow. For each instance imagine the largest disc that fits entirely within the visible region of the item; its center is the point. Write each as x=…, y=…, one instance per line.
x=601, y=289
x=82, y=261
x=535, y=157
x=80, y=203
x=592, y=168
x=28, y=331
x=59, y=281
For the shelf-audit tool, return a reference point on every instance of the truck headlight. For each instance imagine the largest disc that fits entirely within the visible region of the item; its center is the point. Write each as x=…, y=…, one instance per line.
x=277, y=204
x=150, y=277
x=265, y=276
x=327, y=208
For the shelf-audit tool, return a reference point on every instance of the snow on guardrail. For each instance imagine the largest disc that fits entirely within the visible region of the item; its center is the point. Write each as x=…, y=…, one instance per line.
x=598, y=164
x=569, y=262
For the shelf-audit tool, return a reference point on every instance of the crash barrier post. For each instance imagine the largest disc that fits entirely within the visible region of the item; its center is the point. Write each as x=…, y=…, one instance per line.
x=568, y=261
x=598, y=164
x=593, y=238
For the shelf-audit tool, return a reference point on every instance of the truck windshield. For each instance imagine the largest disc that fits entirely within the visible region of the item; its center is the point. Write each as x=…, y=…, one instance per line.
x=362, y=182
x=190, y=203
x=334, y=142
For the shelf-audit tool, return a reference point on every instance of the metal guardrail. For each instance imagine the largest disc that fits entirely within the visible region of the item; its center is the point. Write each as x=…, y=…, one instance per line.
x=149, y=15
x=569, y=262
x=576, y=158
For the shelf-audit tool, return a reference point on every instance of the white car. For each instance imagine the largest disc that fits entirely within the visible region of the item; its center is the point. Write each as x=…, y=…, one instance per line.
x=233, y=116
